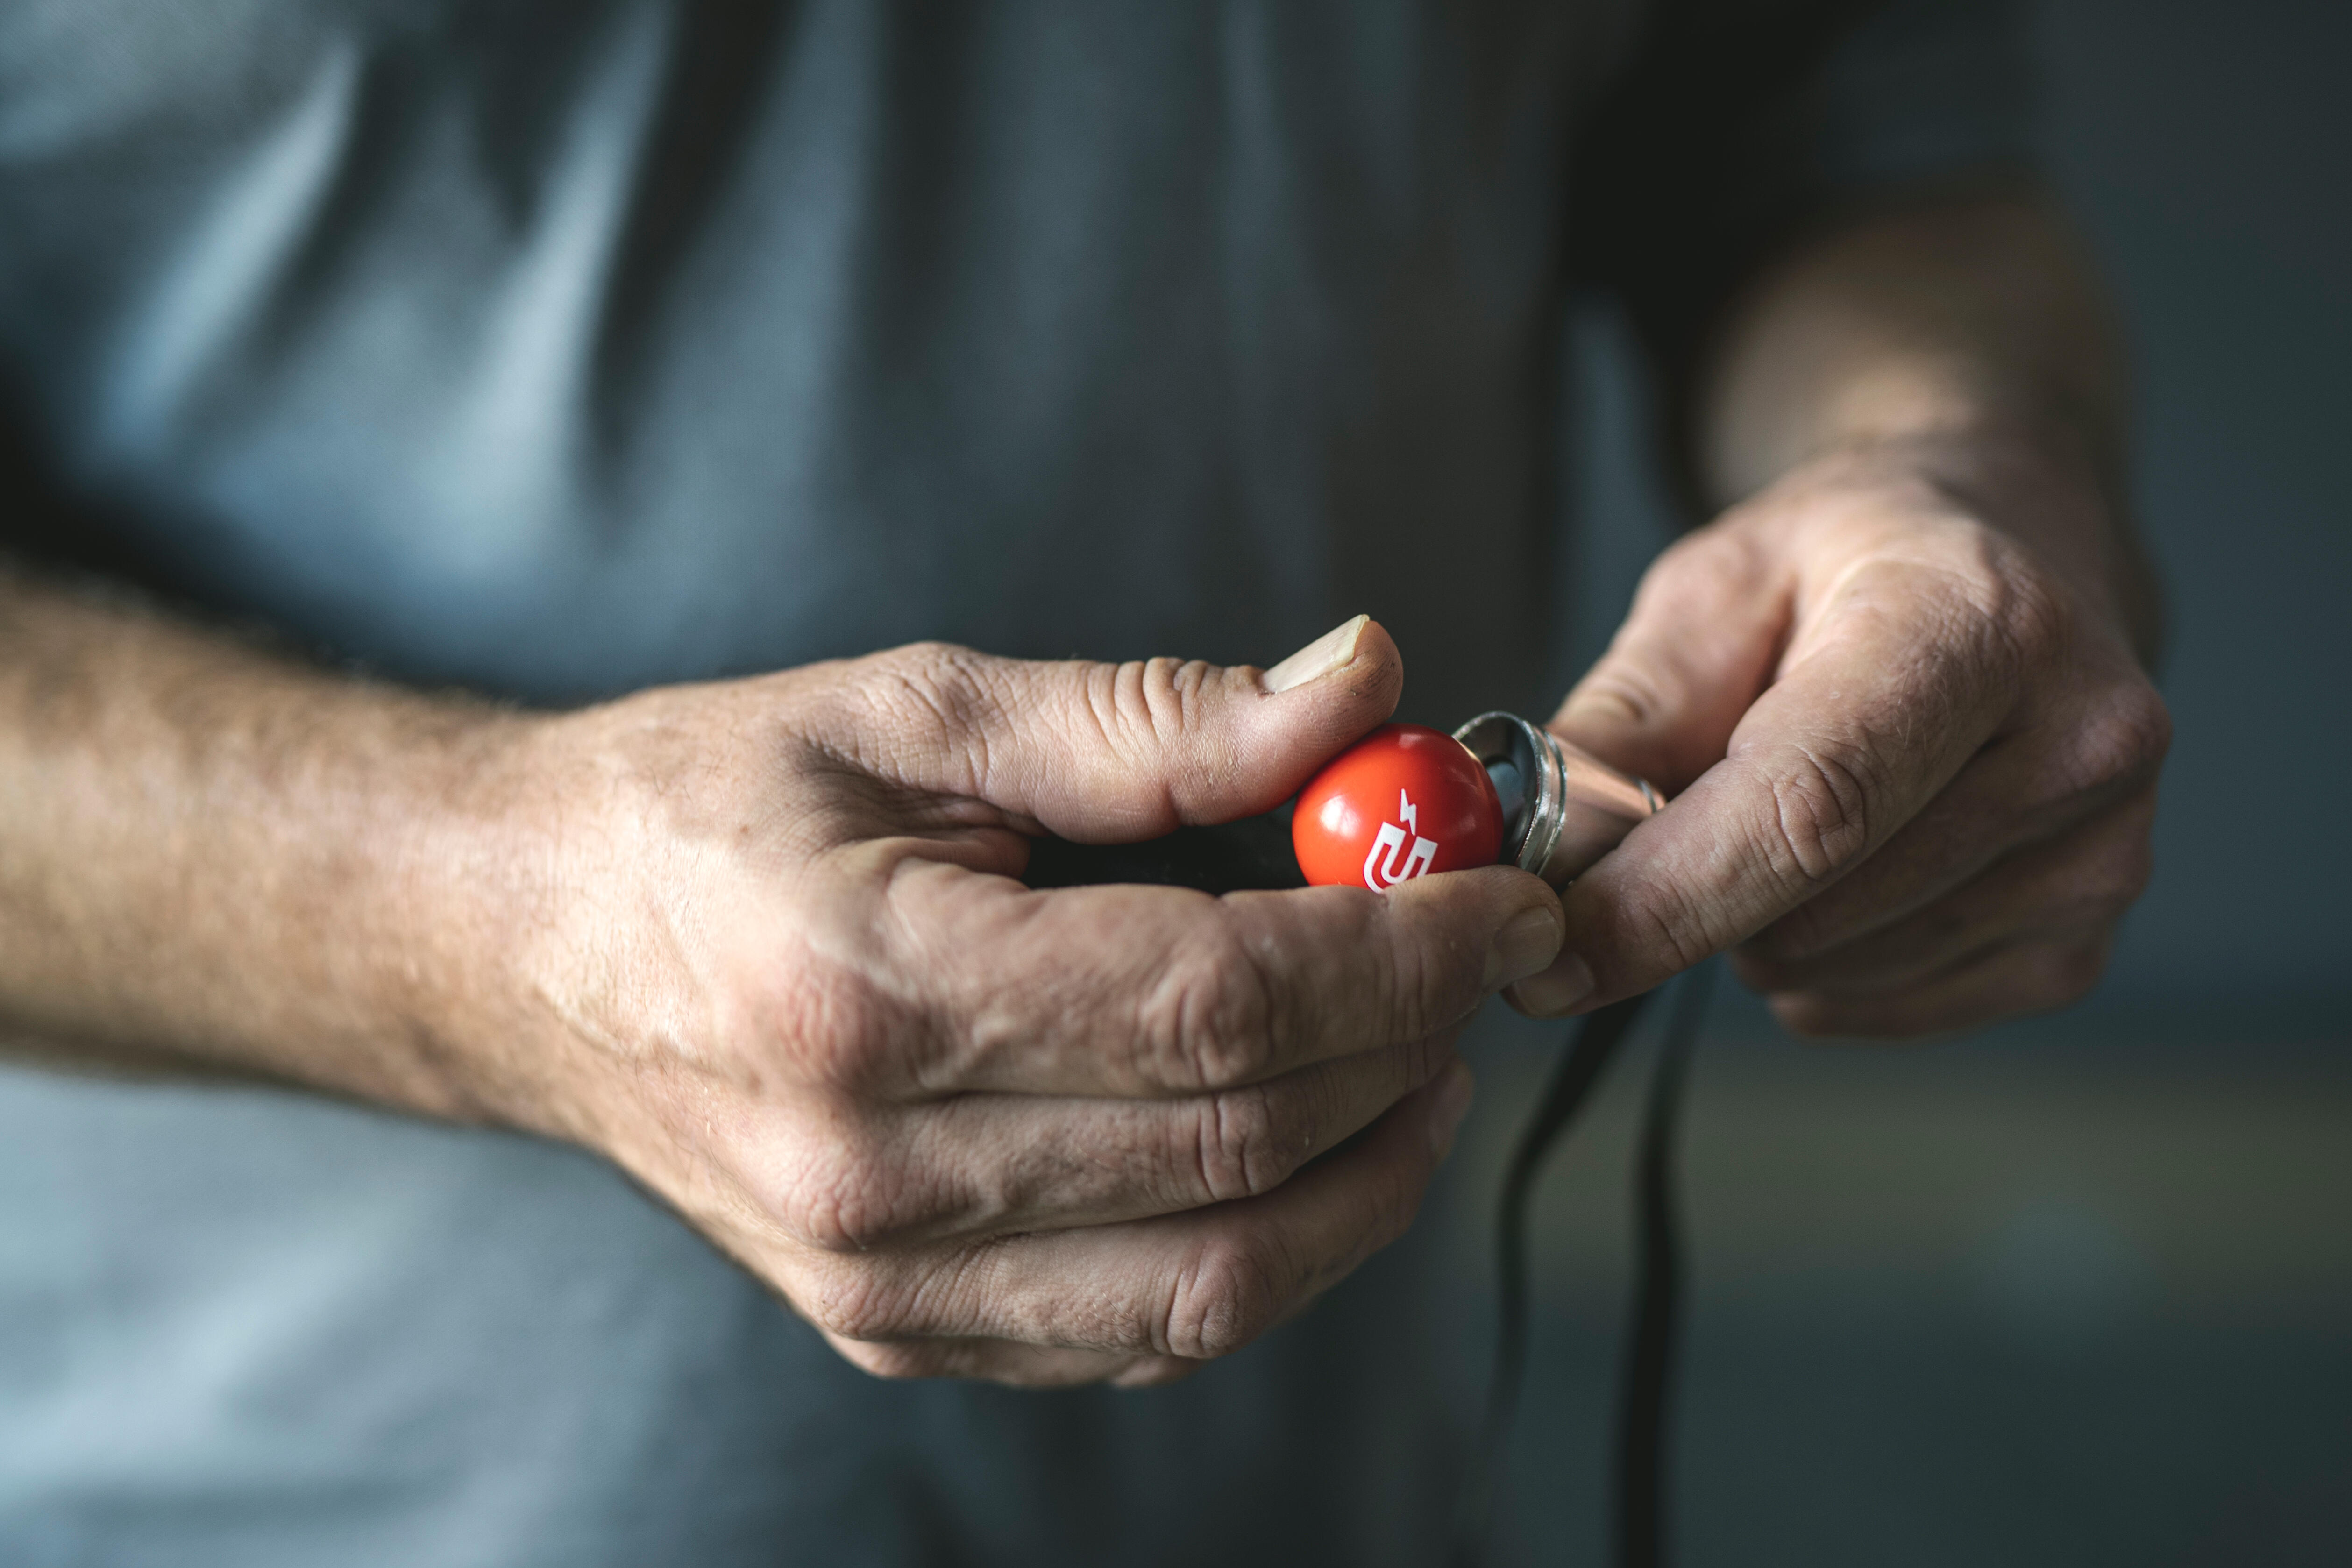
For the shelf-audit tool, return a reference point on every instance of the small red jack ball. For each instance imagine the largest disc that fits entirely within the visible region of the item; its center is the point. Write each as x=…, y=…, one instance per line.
x=1403, y=801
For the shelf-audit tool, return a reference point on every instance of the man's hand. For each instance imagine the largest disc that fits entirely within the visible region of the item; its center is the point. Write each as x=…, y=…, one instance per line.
x=1898, y=686
x=773, y=932
x=761, y=943
x=1915, y=757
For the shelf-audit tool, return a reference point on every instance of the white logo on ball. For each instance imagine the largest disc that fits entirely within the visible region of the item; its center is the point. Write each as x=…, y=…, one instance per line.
x=1390, y=860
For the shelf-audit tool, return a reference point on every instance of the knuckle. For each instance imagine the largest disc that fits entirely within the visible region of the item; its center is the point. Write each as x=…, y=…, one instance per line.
x=859, y=1304
x=2126, y=741
x=1672, y=927
x=932, y=690
x=1138, y=715
x=1206, y=1021
x=1414, y=978
x=1423, y=987
x=1993, y=618
x=845, y=1198
x=934, y=701
x=1175, y=696
x=1242, y=1147
x=839, y=1183
x=1823, y=799
x=1723, y=557
x=1144, y=705
x=1998, y=580
x=1227, y=1294
x=835, y=1026
x=2033, y=618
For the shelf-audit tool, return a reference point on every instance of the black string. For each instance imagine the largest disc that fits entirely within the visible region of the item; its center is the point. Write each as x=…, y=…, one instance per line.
x=1646, y=1381
x=1594, y=1041
x=1648, y=1365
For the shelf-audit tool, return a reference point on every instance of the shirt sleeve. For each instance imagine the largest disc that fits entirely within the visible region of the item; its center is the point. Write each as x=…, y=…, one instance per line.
x=1737, y=124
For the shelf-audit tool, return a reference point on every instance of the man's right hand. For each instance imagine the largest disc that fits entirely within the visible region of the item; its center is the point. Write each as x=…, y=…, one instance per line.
x=763, y=943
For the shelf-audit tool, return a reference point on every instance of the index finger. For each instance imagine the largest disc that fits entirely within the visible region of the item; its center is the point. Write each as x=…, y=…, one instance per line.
x=1126, y=990
x=1864, y=728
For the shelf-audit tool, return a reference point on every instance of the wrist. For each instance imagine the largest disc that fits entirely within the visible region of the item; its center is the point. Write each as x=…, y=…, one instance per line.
x=379, y=890
x=216, y=861
x=570, y=897
x=482, y=880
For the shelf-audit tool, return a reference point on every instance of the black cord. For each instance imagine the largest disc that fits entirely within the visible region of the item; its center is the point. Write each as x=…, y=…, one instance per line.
x=1593, y=1043
x=1646, y=1381
x=1648, y=1365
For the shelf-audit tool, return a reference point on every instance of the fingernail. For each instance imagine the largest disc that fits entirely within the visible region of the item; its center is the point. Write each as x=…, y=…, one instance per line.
x=1445, y=1112
x=1555, y=991
x=1318, y=658
x=1524, y=946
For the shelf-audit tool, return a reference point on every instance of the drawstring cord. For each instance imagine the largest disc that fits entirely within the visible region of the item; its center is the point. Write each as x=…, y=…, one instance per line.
x=1646, y=1371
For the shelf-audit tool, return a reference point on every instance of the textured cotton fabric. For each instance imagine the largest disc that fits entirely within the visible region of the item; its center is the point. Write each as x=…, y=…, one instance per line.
x=556, y=348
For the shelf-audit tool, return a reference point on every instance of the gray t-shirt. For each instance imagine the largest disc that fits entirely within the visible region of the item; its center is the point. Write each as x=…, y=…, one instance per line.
x=557, y=347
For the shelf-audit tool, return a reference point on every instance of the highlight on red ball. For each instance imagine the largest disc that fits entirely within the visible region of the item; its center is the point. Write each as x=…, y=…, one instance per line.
x=1403, y=801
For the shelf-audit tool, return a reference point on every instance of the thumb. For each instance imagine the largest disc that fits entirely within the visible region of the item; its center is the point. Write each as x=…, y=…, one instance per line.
x=1695, y=651
x=1114, y=753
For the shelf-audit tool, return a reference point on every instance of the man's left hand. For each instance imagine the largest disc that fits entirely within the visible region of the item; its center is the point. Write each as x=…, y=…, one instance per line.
x=1914, y=754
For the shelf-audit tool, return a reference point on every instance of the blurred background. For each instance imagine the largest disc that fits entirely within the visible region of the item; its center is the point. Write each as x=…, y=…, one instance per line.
x=2079, y=1290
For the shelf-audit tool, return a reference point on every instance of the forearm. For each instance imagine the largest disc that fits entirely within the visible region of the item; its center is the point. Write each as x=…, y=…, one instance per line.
x=213, y=856
x=1968, y=332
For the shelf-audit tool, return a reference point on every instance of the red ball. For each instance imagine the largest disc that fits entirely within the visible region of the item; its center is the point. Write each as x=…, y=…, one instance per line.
x=1401, y=802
